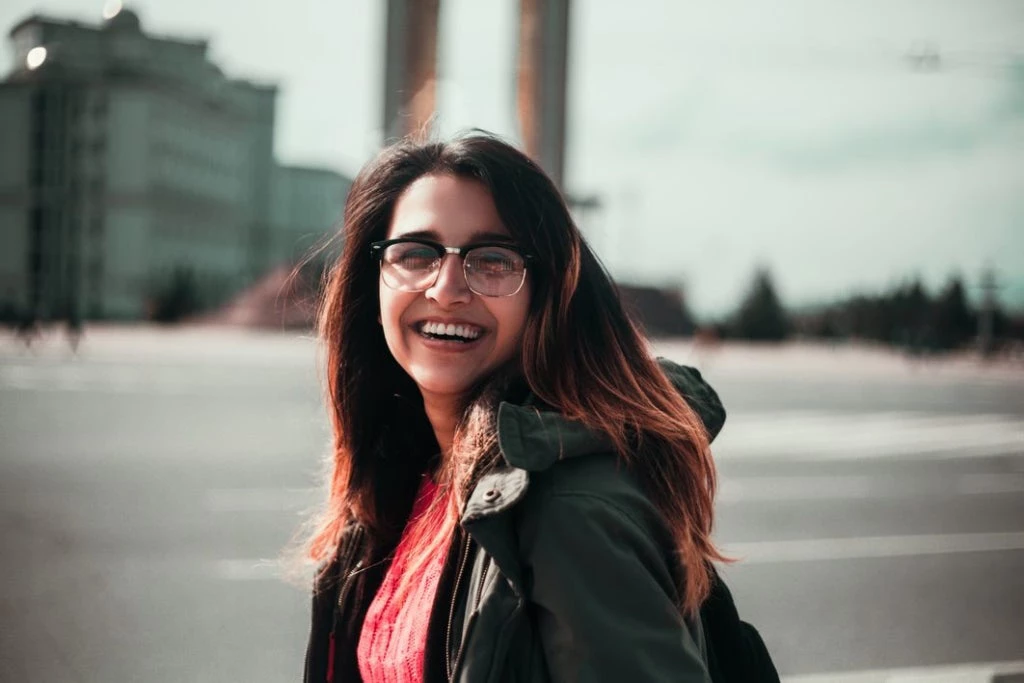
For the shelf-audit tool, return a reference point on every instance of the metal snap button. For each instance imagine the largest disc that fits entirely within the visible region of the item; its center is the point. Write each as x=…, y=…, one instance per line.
x=492, y=495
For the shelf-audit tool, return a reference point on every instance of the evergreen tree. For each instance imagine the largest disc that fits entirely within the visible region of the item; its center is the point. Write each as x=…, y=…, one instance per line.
x=952, y=323
x=907, y=321
x=761, y=316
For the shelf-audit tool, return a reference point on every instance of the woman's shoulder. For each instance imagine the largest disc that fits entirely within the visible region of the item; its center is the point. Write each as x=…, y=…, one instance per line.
x=594, y=474
x=598, y=484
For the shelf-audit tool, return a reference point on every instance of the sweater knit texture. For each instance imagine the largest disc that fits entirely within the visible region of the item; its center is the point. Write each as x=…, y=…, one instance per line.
x=394, y=635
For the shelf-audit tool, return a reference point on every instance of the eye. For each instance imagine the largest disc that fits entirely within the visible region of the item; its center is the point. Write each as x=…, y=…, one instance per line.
x=494, y=261
x=410, y=256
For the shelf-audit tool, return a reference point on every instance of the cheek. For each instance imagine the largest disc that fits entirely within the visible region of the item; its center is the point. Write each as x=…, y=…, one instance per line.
x=513, y=322
x=390, y=310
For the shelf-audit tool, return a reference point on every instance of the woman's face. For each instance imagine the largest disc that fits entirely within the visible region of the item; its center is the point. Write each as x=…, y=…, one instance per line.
x=454, y=212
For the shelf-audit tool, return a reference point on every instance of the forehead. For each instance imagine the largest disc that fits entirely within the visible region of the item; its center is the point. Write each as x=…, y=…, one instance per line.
x=446, y=208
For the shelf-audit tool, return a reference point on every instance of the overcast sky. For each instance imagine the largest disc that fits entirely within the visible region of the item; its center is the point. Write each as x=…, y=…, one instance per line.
x=719, y=134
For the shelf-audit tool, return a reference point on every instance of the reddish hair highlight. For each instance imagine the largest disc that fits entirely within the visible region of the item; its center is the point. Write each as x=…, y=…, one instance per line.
x=581, y=356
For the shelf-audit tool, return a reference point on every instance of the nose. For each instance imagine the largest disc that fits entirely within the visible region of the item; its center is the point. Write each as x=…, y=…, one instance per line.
x=450, y=288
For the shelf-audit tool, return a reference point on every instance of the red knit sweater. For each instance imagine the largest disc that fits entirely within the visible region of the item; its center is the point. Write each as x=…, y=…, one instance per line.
x=394, y=635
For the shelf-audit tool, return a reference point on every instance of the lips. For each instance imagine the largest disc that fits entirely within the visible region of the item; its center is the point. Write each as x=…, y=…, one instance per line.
x=459, y=331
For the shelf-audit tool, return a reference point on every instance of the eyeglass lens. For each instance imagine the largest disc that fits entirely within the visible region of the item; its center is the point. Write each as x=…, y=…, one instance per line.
x=489, y=270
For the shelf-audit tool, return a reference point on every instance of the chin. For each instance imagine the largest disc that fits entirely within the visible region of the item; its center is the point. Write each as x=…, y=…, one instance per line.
x=443, y=384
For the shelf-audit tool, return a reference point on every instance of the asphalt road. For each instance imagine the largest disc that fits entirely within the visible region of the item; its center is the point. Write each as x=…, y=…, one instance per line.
x=149, y=484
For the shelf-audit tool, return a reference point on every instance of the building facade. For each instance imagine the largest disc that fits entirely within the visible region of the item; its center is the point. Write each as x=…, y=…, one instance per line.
x=306, y=207
x=129, y=158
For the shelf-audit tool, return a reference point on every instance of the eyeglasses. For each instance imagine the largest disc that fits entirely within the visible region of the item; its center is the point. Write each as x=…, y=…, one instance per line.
x=413, y=264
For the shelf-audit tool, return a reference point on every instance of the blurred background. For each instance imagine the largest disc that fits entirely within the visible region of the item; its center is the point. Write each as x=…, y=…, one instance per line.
x=818, y=203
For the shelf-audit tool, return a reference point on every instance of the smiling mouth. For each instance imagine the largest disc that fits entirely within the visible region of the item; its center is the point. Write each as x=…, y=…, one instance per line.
x=457, y=333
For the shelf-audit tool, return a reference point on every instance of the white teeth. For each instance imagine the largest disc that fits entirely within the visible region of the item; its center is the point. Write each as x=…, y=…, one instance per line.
x=451, y=330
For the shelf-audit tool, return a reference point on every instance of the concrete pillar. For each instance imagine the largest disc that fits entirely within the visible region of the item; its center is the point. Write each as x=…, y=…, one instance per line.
x=541, y=82
x=410, y=67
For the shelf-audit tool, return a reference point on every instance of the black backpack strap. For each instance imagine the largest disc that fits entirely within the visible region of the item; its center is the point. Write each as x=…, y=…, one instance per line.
x=736, y=651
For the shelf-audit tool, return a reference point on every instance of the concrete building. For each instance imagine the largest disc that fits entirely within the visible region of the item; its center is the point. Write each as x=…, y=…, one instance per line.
x=127, y=157
x=306, y=206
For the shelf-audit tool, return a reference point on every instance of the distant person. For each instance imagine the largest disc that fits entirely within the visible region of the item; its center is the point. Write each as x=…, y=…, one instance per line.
x=9, y=312
x=75, y=331
x=28, y=329
x=519, y=492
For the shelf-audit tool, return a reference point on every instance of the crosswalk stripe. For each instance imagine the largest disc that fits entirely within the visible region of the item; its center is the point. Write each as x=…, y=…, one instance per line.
x=124, y=379
x=803, y=435
x=825, y=549
x=739, y=490
x=954, y=673
x=756, y=552
x=780, y=435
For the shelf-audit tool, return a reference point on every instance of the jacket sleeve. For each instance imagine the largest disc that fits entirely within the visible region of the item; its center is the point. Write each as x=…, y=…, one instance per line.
x=602, y=595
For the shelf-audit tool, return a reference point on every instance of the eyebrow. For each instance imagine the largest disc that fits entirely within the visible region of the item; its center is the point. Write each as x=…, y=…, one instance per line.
x=479, y=236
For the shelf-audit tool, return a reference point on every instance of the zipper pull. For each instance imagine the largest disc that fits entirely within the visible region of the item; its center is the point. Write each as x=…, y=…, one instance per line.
x=348, y=580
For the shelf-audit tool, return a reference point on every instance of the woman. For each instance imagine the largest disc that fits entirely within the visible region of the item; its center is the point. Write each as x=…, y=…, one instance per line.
x=518, y=491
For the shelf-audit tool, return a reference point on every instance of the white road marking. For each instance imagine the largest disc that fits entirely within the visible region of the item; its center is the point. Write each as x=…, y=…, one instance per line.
x=990, y=482
x=789, y=435
x=864, y=547
x=840, y=436
x=122, y=379
x=741, y=490
x=761, y=552
x=955, y=673
x=786, y=435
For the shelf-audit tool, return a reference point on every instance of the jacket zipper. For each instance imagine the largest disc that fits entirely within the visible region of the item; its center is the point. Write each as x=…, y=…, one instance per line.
x=343, y=591
x=483, y=579
x=452, y=664
x=448, y=662
x=353, y=546
x=345, y=584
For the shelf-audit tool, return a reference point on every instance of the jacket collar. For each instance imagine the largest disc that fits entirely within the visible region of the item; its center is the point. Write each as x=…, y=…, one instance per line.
x=532, y=440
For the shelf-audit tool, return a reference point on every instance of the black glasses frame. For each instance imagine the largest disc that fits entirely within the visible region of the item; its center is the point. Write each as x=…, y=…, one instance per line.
x=377, y=250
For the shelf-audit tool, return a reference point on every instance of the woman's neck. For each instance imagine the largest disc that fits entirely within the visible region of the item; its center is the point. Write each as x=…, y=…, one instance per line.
x=443, y=413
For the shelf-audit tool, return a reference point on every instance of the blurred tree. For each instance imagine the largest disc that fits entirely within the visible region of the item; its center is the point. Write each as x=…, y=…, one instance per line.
x=907, y=311
x=761, y=316
x=952, y=322
x=905, y=316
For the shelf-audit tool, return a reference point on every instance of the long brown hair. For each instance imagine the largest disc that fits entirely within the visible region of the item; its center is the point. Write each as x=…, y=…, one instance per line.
x=581, y=355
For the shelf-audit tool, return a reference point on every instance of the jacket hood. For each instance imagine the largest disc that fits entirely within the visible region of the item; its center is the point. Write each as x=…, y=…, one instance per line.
x=533, y=439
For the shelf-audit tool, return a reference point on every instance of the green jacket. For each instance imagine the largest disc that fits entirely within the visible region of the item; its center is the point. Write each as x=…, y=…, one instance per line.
x=562, y=570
